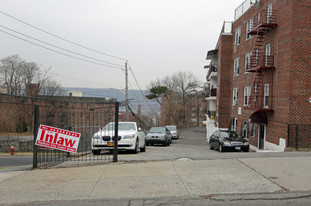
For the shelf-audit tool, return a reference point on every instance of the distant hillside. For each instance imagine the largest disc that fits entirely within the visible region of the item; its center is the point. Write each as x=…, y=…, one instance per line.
x=135, y=96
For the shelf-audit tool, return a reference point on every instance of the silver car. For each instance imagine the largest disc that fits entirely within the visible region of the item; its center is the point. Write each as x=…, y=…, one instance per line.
x=174, y=131
x=159, y=135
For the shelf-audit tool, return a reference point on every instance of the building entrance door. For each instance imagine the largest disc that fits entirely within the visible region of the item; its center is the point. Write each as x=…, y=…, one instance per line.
x=261, y=136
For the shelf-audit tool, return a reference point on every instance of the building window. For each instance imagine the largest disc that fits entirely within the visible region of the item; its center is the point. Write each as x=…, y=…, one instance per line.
x=247, y=93
x=269, y=13
x=245, y=129
x=249, y=26
x=253, y=133
x=237, y=40
x=255, y=91
x=235, y=96
x=266, y=95
x=236, y=66
x=267, y=55
x=234, y=123
x=248, y=61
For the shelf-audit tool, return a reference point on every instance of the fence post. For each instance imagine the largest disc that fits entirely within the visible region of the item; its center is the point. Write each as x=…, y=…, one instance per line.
x=288, y=135
x=116, y=128
x=35, y=133
x=296, y=140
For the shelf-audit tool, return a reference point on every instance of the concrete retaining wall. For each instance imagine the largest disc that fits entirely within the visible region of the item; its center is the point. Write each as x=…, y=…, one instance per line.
x=19, y=146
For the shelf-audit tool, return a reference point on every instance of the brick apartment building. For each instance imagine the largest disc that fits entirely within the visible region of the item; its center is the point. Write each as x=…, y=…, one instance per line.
x=259, y=74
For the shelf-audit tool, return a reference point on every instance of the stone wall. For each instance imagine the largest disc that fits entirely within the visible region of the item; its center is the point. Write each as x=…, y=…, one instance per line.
x=19, y=145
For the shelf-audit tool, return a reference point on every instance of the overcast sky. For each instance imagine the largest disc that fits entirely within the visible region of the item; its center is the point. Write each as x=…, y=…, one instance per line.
x=157, y=37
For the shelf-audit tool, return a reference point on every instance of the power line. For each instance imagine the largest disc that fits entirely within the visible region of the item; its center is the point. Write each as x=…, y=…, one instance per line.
x=81, y=80
x=71, y=42
x=105, y=65
x=141, y=90
x=58, y=47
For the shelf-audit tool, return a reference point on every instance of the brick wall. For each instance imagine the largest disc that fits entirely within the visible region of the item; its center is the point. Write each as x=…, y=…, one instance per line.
x=290, y=81
x=224, y=97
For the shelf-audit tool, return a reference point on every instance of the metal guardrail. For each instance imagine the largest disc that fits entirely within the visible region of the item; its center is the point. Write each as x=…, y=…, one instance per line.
x=240, y=10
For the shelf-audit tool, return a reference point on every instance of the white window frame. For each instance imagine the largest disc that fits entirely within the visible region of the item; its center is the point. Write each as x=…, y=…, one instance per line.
x=248, y=57
x=248, y=36
x=267, y=54
x=245, y=127
x=237, y=39
x=255, y=91
x=236, y=70
x=247, y=94
x=269, y=13
x=234, y=124
x=253, y=130
x=266, y=95
x=235, y=96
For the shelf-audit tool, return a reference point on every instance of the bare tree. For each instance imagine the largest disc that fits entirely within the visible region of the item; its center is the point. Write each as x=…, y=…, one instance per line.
x=17, y=76
x=185, y=83
x=52, y=88
x=11, y=74
x=174, y=100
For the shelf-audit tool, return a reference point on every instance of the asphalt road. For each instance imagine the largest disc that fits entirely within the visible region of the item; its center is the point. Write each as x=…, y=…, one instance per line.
x=191, y=145
x=14, y=163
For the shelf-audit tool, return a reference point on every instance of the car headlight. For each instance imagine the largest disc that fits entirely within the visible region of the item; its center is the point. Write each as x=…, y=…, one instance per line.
x=129, y=136
x=246, y=143
x=227, y=144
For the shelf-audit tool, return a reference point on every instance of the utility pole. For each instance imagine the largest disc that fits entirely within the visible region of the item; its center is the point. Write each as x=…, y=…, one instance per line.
x=126, y=94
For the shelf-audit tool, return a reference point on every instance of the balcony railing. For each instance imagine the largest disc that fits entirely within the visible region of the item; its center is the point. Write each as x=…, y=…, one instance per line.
x=265, y=18
x=211, y=114
x=213, y=92
x=260, y=62
x=210, y=71
x=243, y=8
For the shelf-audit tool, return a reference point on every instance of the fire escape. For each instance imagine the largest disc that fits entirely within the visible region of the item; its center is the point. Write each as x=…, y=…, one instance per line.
x=261, y=62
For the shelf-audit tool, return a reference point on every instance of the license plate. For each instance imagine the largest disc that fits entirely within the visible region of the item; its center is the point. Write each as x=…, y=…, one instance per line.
x=238, y=148
x=110, y=144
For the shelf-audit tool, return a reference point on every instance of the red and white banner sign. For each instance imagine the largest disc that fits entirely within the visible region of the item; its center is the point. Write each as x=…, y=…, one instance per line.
x=56, y=138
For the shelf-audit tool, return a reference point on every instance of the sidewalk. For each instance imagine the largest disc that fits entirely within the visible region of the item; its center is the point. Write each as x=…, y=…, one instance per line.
x=182, y=178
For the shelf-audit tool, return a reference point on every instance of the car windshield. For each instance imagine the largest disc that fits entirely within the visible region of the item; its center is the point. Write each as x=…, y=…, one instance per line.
x=122, y=126
x=229, y=134
x=171, y=128
x=157, y=130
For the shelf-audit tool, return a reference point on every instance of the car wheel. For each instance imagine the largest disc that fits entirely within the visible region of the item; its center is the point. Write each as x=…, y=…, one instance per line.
x=246, y=150
x=136, y=150
x=210, y=146
x=165, y=143
x=221, y=148
x=144, y=148
x=96, y=152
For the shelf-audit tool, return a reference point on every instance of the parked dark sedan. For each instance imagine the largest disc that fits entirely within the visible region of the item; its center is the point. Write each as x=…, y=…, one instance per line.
x=228, y=140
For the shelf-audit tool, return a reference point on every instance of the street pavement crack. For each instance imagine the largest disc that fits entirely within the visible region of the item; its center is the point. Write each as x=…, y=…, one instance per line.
x=96, y=183
x=283, y=189
x=181, y=179
x=260, y=198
